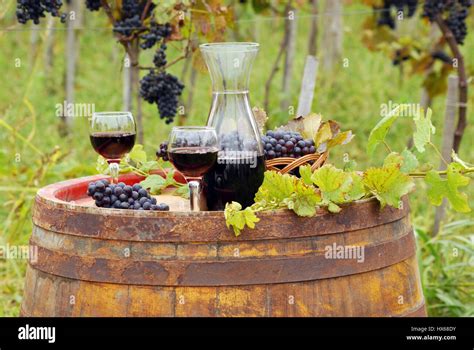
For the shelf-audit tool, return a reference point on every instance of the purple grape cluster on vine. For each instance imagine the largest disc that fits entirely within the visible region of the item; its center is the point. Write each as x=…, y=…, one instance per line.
x=401, y=6
x=33, y=10
x=452, y=12
x=157, y=87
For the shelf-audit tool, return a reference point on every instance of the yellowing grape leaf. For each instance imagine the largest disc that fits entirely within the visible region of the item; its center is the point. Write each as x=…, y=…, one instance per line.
x=388, y=184
x=260, y=117
x=237, y=218
x=341, y=139
x=440, y=188
x=311, y=125
x=424, y=129
x=323, y=135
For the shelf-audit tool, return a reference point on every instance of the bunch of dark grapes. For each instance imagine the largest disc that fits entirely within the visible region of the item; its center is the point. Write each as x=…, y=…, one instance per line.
x=163, y=151
x=159, y=60
x=33, y=10
x=453, y=12
x=121, y=196
x=405, y=6
x=127, y=26
x=286, y=144
x=155, y=34
x=93, y=5
x=163, y=89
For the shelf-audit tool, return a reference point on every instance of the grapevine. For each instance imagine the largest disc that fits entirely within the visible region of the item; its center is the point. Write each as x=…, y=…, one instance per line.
x=135, y=22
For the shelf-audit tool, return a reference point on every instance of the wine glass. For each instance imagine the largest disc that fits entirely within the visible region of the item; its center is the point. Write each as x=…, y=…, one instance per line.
x=112, y=135
x=193, y=151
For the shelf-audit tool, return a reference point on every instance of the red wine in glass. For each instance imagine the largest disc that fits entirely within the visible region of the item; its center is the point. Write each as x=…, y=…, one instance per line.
x=112, y=135
x=193, y=162
x=193, y=151
x=112, y=145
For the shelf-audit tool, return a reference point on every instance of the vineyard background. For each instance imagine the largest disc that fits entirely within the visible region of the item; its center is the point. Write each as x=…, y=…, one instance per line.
x=33, y=153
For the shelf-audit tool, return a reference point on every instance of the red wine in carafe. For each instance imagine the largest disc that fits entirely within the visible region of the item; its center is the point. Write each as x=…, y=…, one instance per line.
x=233, y=180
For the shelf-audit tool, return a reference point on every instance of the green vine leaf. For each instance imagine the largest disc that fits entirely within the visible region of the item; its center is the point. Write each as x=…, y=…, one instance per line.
x=304, y=200
x=275, y=188
x=388, y=184
x=424, y=129
x=137, y=154
x=440, y=188
x=379, y=132
x=237, y=218
x=155, y=183
x=182, y=191
x=333, y=183
x=410, y=161
x=305, y=174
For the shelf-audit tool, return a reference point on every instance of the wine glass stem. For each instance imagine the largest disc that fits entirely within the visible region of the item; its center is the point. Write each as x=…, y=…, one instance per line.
x=114, y=172
x=194, y=194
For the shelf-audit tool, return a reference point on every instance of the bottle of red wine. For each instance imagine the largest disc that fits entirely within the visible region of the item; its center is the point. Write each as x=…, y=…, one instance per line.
x=112, y=145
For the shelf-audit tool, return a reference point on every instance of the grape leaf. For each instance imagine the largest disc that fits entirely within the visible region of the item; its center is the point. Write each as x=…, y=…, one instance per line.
x=182, y=191
x=304, y=201
x=305, y=174
x=137, y=154
x=148, y=166
x=155, y=183
x=406, y=160
x=378, y=133
x=410, y=162
x=449, y=188
x=357, y=189
x=275, y=188
x=350, y=165
x=388, y=184
x=393, y=158
x=332, y=182
x=424, y=129
x=311, y=124
x=323, y=135
x=341, y=138
x=237, y=218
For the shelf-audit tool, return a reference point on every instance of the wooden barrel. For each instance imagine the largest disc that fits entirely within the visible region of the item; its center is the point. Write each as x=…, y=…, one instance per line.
x=103, y=262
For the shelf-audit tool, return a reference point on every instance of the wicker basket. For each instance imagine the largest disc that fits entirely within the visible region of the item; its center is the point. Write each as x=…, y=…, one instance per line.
x=317, y=160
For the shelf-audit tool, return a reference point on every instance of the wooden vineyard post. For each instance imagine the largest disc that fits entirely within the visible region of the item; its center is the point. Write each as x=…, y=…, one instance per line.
x=313, y=34
x=127, y=84
x=308, y=84
x=332, y=35
x=71, y=55
x=291, y=27
x=448, y=132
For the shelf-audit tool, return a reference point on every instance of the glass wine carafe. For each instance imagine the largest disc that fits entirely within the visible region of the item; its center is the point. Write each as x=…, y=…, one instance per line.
x=240, y=166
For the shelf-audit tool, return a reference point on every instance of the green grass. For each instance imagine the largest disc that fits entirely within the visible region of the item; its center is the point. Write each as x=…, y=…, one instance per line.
x=351, y=95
